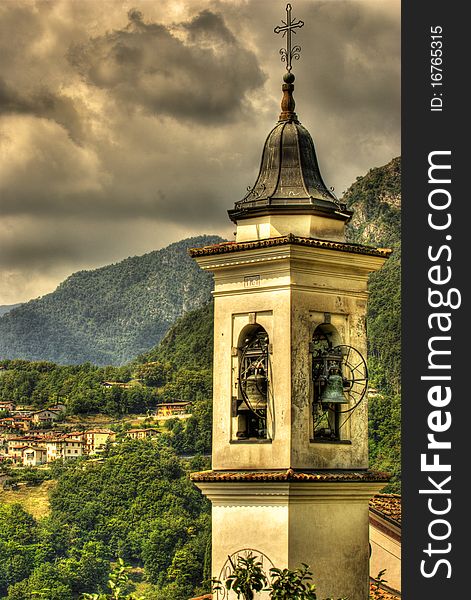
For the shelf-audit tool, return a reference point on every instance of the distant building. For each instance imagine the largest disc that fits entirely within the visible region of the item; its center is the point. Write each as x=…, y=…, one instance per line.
x=385, y=538
x=142, y=434
x=60, y=407
x=66, y=447
x=95, y=440
x=172, y=409
x=45, y=416
x=8, y=406
x=118, y=384
x=21, y=423
x=34, y=456
x=15, y=447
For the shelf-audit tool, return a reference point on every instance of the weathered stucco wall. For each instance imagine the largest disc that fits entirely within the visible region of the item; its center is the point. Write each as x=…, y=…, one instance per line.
x=287, y=290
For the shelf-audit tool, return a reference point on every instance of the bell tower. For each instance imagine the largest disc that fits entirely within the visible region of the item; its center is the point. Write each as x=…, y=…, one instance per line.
x=290, y=479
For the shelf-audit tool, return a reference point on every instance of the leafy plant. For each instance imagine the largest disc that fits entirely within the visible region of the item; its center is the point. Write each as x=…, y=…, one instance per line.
x=117, y=581
x=247, y=577
x=292, y=585
x=378, y=581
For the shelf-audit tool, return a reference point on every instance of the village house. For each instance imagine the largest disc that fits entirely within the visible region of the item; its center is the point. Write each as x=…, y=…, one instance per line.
x=15, y=447
x=60, y=407
x=118, y=384
x=34, y=456
x=15, y=422
x=142, y=434
x=22, y=411
x=66, y=447
x=95, y=440
x=173, y=409
x=7, y=406
x=45, y=416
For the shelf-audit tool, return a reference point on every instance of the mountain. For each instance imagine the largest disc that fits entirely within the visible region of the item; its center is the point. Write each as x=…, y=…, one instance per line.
x=188, y=343
x=375, y=199
x=111, y=314
x=6, y=308
x=376, y=202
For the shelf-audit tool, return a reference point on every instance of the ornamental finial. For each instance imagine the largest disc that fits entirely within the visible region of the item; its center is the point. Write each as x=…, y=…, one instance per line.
x=287, y=55
x=289, y=26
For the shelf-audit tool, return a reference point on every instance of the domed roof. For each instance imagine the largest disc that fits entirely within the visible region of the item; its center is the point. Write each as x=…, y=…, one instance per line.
x=289, y=180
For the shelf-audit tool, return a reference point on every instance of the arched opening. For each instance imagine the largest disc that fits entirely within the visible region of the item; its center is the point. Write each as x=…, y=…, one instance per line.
x=328, y=394
x=340, y=380
x=253, y=383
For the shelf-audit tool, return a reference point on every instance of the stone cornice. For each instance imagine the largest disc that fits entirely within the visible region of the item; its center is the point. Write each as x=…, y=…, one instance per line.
x=288, y=487
x=303, y=253
x=229, y=247
x=290, y=476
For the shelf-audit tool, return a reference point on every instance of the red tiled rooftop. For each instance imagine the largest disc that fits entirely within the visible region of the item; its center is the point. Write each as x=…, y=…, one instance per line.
x=290, y=476
x=225, y=247
x=388, y=505
x=380, y=594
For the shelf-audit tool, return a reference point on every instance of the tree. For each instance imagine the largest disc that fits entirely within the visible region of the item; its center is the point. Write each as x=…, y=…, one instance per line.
x=117, y=582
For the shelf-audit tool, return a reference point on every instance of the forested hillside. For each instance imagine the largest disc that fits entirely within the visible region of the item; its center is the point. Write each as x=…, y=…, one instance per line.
x=376, y=200
x=137, y=504
x=109, y=315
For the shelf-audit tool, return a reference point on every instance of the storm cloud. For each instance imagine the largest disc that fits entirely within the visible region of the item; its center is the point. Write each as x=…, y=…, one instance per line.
x=126, y=126
x=203, y=78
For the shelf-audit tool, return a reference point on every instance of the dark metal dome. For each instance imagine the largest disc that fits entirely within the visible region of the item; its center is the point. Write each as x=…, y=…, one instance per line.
x=289, y=180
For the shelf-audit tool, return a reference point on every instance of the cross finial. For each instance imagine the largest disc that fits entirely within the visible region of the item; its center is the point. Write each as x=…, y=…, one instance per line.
x=289, y=26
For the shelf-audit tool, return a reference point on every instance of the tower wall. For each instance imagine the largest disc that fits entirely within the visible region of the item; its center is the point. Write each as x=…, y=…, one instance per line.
x=322, y=524
x=288, y=290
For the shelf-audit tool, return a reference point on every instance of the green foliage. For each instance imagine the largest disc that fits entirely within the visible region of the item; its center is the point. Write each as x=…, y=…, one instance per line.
x=385, y=437
x=189, y=343
x=138, y=504
x=247, y=577
x=112, y=314
x=292, y=585
x=79, y=387
x=141, y=505
x=376, y=200
x=117, y=583
x=34, y=562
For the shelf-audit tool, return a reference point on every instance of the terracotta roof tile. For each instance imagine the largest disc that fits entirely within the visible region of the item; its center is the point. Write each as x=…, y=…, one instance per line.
x=388, y=505
x=290, y=476
x=225, y=247
x=381, y=594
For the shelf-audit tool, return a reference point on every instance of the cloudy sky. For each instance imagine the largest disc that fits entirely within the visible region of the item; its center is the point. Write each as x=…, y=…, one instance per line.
x=127, y=125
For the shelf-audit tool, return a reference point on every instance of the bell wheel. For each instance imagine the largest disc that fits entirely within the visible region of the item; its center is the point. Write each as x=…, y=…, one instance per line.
x=355, y=375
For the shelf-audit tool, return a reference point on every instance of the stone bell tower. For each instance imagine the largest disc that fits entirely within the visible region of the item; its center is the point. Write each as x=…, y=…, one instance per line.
x=290, y=479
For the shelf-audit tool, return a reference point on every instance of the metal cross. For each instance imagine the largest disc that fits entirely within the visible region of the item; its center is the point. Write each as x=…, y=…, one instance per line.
x=289, y=53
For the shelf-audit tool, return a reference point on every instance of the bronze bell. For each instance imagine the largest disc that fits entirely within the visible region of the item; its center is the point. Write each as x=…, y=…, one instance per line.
x=333, y=390
x=256, y=391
